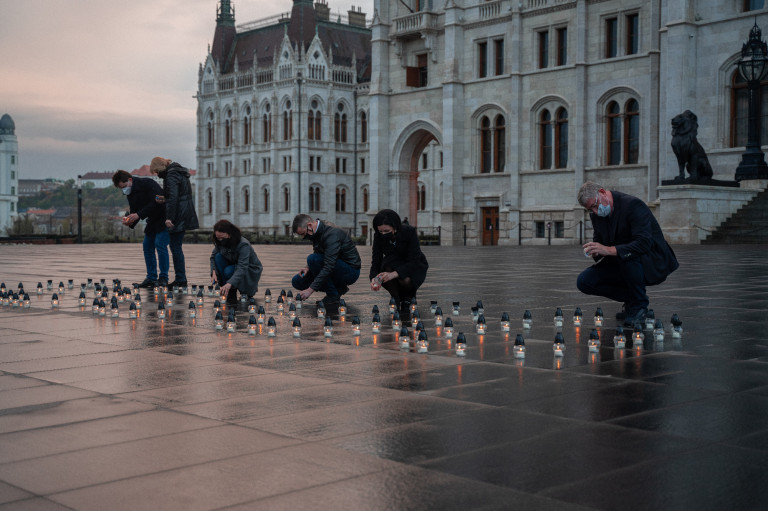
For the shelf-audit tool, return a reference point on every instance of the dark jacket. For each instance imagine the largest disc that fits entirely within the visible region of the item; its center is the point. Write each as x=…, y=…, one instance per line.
x=334, y=244
x=142, y=202
x=403, y=255
x=179, y=203
x=248, y=271
x=634, y=231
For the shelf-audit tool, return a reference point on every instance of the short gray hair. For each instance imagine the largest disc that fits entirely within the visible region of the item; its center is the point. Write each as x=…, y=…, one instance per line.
x=300, y=220
x=588, y=191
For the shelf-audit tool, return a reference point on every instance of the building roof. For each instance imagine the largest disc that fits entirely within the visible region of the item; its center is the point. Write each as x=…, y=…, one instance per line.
x=41, y=211
x=7, y=126
x=142, y=171
x=97, y=175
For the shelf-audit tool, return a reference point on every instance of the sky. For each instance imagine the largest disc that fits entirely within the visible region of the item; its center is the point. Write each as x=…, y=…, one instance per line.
x=95, y=85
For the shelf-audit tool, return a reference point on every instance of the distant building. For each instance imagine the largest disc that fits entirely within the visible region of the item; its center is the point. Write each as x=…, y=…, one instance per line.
x=9, y=173
x=99, y=179
x=282, y=119
x=34, y=187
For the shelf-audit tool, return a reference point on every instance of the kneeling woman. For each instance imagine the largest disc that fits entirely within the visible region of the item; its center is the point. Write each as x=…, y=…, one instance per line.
x=234, y=263
x=397, y=262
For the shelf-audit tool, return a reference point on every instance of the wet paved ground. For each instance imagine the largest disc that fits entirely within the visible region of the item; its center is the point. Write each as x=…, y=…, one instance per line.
x=99, y=413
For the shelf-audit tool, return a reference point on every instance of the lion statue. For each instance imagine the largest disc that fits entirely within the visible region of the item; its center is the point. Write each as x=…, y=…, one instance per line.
x=687, y=149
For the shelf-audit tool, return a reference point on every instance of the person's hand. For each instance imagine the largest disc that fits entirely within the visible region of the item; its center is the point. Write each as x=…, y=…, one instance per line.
x=214, y=278
x=131, y=219
x=169, y=224
x=375, y=283
x=303, y=272
x=387, y=276
x=593, y=249
x=159, y=199
x=306, y=293
x=225, y=290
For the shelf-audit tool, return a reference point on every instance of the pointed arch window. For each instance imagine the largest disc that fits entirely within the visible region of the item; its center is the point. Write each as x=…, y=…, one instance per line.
x=227, y=202
x=341, y=199
x=486, y=149
x=246, y=200
x=314, y=198
x=561, y=138
x=228, y=130
x=246, y=130
x=499, y=134
x=363, y=128
x=265, y=199
x=421, y=197
x=210, y=131
x=545, y=140
x=286, y=198
x=631, y=131
x=210, y=202
x=365, y=199
x=613, y=133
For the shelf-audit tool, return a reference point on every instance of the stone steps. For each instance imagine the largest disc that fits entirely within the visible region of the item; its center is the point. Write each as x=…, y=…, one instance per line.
x=748, y=225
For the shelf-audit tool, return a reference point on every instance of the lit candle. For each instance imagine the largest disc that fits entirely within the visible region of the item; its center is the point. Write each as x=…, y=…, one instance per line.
x=289, y=297
x=461, y=345
x=481, y=326
x=137, y=300
x=231, y=324
x=396, y=323
x=423, y=343
x=81, y=298
x=39, y=288
x=96, y=289
x=15, y=300
x=192, y=309
x=252, y=325
x=342, y=308
x=298, y=301
x=267, y=296
x=405, y=341
x=320, y=310
x=218, y=321
x=650, y=319
x=637, y=336
x=599, y=317
x=132, y=311
x=296, y=327
x=438, y=316
x=261, y=314
x=480, y=308
x=115, y=311
x=61, y=287
x=271, y=327
x=3, y=289
x=558, y=317
x=95, y=306
x=169, y=301
x=27, y=301
x=677, y=326
x=161, y=310
x=251, y=306
x=448, y=328
x=594, y=341
x=519, y=348
x=376, y=324
x=392, y=305
x=456, y=308
x=505, y=322
x=527, y=319
x=618, y=339
x=577, y=316
x=328, y=327
x=54, y=300
x=292, y=310
x=280, y=304
x=200, y=298
x=415, y=318
x=658, y=331
x=414, y=305
x=217, y=306
x=355, y=325
x=558, y=347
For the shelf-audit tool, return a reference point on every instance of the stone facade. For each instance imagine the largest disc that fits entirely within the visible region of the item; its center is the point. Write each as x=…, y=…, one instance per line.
x=9, y=173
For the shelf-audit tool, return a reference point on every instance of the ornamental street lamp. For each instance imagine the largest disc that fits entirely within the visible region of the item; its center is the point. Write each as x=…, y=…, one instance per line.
x=752, y=67
x=80, y=209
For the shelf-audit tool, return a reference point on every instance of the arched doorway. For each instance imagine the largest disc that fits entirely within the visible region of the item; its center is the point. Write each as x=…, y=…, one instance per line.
x=408, y=151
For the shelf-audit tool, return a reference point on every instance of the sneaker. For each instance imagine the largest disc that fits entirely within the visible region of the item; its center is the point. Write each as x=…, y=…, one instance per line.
x=635, y=315
x=148, y=283
x=162, y=282
x=178, y=283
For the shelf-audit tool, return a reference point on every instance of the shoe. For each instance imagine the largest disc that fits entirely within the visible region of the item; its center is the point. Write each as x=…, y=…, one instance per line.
x=330, y=303
x=635, y=316
x=178, y=283
x=343, y=290
x=623, y=313
x=148, y=283
x=162, y=282
x=232, y=297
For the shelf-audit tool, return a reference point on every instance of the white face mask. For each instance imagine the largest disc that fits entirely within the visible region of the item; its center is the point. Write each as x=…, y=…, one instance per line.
x=603, y=210
x=127, y=190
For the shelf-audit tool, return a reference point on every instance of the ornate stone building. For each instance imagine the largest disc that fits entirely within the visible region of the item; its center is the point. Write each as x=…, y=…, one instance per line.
x=484, y=116
x=283, y=120
x=9, y=173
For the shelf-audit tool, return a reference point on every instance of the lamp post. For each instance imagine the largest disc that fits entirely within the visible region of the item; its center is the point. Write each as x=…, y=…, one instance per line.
x=80, y=209
x=752, y=66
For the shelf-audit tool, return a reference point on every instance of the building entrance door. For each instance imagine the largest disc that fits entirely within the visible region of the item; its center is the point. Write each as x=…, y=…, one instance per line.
x=490, y=226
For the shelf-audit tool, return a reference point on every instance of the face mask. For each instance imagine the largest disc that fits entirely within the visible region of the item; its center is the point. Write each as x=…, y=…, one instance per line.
x=388, y=236
x=127, y=190
x=603, y=210
x=308, y=235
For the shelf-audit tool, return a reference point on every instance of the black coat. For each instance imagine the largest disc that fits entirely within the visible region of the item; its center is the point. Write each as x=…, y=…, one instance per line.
x=403, y=255
x=179, y=202
x=334, y=244
x=634, y=231
x=248, y=270
x=142, y=202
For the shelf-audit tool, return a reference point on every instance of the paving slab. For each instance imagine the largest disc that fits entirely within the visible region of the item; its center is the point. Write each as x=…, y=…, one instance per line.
x=101, y=412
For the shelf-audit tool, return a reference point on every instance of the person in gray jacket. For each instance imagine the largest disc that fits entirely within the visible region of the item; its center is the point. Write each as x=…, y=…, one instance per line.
x=234, y=264
x=180, y=212
x=333, y=265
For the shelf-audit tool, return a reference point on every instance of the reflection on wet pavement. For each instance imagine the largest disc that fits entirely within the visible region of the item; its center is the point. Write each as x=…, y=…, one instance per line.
x=174, y=413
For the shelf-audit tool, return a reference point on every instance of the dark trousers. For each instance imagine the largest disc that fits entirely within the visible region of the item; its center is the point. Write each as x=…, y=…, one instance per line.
x=622, y=281
x=342, y=275
x=224, y=269
x=176, y=239
x=400, y=289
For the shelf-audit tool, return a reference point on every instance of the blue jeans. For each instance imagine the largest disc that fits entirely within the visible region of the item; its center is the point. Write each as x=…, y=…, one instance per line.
x=157, y=242
x=342, y=275
x=623, y=281
x=176, y=239
x=224, y=269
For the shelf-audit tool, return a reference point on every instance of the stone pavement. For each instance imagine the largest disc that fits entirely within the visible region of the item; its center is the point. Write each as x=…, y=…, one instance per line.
x=99, y=413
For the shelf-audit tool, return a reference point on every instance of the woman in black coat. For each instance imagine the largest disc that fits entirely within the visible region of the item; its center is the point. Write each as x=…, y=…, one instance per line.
x=234, y=264
x=397, y=262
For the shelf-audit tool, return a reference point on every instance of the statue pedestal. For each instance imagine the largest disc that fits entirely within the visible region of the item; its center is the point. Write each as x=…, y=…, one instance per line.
x=689, y=212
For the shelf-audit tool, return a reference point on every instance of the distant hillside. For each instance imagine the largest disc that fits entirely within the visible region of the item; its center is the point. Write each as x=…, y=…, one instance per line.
x=66, y=196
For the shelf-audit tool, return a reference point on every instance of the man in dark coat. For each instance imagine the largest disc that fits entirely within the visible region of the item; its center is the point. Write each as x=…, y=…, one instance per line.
x=180, y=212
x=397, y=262
x=333, y=265
x=628, y=247
x=141, y=193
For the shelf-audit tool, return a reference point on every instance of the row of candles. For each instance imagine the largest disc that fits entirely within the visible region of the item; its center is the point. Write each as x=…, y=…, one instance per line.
x=257, y=317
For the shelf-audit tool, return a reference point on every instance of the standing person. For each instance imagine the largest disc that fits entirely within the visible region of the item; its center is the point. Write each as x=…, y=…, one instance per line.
x=397, y=262
x=234, y=264
x=141, y=193
x=629, y=250
x=180, y=212
x=334, y=264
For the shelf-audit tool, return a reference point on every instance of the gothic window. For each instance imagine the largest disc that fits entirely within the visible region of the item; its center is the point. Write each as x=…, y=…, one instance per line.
x=246, y=200
x=613, y=133
x=363, y=128
x=228, y=129
x=227, y=202
x=286, y=198
x=210, y=202
x=631, y=131
x=247, y=129
x=341, y=199
x=561, y=138
x=499, y=134
x=486, y=155
x=421, y=197
x=314, y=198
x=365, y=199
x=210, y=131
x=265, y=199
x=545, y=140
x=740, y=111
